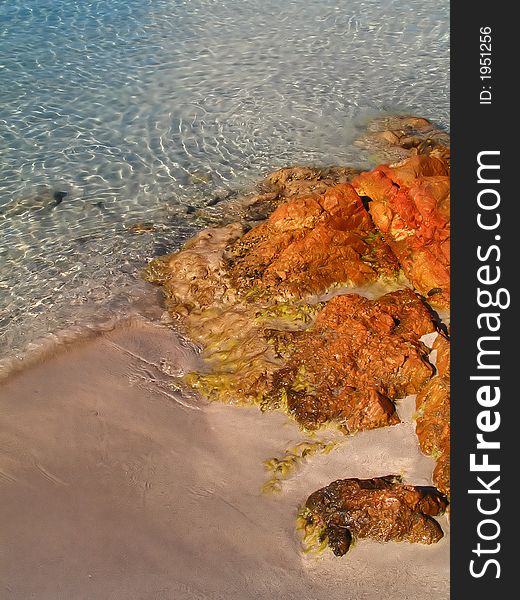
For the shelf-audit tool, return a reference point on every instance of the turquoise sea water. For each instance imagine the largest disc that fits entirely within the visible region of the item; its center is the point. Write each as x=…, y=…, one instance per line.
x=139, y=109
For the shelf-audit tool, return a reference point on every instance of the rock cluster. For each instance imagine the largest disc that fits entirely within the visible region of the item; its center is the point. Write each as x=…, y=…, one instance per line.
x=315, y=303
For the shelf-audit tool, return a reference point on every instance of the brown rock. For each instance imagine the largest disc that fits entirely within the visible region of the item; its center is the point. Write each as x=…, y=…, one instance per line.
x=410, y=207
x=383, y=509
x=433, y=417
x=302, y=181
x=357, y=359
x=195, y=277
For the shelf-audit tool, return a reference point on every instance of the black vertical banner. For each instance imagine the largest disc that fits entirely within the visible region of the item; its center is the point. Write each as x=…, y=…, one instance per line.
x=484, y=327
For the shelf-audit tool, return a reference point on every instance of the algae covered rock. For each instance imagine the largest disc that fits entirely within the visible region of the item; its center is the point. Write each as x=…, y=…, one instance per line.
x=238, y=358
x=382, y=509
x=245, y=298
x=251, y=302
x=196, y=277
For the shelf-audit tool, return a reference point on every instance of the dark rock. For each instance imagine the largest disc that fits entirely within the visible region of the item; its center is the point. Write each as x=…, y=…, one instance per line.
x=59, y=196
x=382, y=509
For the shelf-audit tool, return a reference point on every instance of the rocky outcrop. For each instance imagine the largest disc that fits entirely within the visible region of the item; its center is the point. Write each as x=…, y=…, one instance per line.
x=307, y=246
x=344, y=361
x=310, y=244
x=245, y=298
x=315, y=302
x=382, y=509
x=357, y=359
x=410, y=206
x=251, y=299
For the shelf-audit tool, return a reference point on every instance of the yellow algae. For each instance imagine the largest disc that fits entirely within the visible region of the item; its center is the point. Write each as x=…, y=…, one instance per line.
x=195, y=277
x=314, y=537
x=288, y=315
x=281, y=468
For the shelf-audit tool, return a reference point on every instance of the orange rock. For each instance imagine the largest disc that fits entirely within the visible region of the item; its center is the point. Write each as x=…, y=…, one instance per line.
x=433, y=420
x=310, y=244
x=442, y=362
x=410, y=207
x=357, y=359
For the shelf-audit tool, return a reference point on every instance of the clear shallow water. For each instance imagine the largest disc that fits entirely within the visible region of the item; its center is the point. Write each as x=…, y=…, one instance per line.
x=138, y=109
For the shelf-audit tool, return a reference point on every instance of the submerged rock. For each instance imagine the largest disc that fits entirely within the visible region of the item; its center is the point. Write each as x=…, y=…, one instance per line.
x=410, y=206
x=142, y=228
x=302, y=181
x=396, y=137
x=382, y=509
x=43, y=201
x=59, y=197
x=284, y=184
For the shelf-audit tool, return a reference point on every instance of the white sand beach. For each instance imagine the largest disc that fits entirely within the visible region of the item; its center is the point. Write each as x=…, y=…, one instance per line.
x=116, y=486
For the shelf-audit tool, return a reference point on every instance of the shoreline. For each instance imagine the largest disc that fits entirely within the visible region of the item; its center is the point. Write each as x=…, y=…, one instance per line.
x=158, y=494
x=159, y=490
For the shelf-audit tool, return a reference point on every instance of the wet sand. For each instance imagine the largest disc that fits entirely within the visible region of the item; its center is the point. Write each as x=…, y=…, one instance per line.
x=115, y=486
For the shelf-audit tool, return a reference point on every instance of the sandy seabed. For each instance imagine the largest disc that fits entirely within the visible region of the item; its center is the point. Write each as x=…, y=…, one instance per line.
x=116, y=486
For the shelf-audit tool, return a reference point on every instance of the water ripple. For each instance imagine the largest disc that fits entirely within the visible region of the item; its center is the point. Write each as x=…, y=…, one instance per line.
x=131, y=110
